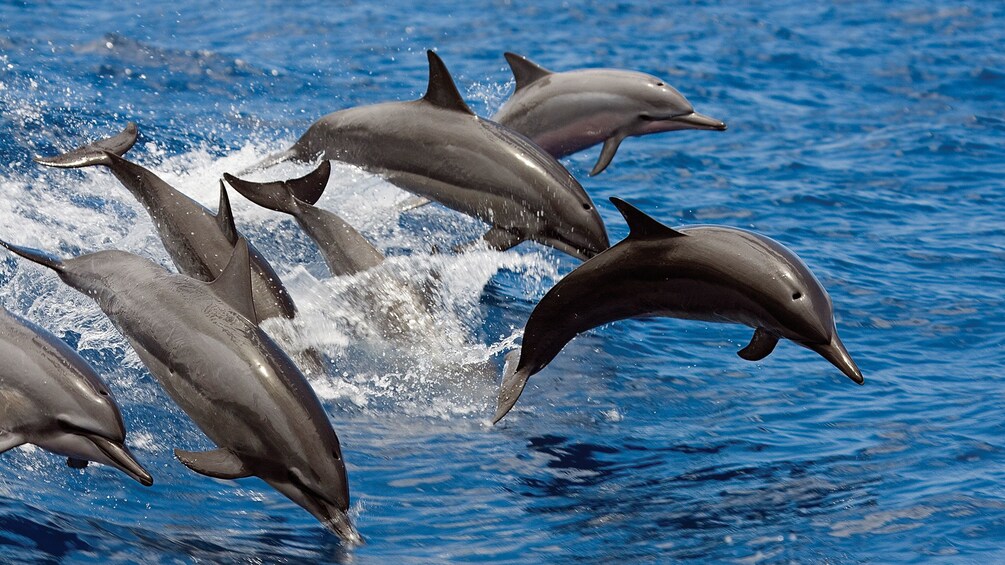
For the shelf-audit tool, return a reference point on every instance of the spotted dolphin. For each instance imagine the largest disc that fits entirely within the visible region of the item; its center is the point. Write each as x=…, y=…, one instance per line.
x=51, y=397
x=567, y=112
x=199, y=243
x=710, y=273
x=202, y=343
x=437, y=148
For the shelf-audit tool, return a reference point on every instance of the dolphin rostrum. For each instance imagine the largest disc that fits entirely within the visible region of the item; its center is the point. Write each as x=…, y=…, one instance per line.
x=710, y=273
x=51, y=397
x=202, y=342
x=198, y=242
x=437, y=148
x=567, y=112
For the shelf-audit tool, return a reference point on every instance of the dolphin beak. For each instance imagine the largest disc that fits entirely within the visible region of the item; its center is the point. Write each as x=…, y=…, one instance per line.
x=341, y=526
x=694, y=120
x=838, y=356
x=122, y=459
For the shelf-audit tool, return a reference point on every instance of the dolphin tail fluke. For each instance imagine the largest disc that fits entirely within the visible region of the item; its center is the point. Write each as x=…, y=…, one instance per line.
x=95, y=153
x=512, y=386
x=36, y=255
x=285, y=196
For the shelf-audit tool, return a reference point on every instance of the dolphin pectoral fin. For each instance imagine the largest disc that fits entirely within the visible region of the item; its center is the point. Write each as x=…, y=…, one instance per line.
x=525, y=71
x=413, y=202
x=225, y=217
x=512, y=386
x=233, y=286
x=74, y=463
x=760, y=346
x=218, y=463
x=607, y=154
x=94, y=153
x=9, y=441
x=501, y=239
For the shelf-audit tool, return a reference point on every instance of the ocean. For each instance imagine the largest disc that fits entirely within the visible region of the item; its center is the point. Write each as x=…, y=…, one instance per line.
x=868, y=137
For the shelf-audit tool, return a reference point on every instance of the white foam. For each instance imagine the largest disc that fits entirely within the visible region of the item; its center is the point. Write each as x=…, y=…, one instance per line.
x=391, y=350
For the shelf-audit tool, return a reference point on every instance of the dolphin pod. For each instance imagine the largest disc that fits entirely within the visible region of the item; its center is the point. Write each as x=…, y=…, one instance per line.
x=202, y=343
x=567, y=112
x=198, y=333
x=54, y=399
x=199, y=243
x=710, y=273
x=437, y=148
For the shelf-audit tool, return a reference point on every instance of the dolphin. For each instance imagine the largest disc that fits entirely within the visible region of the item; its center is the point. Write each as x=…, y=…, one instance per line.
x=202, y=343
x=345, y=250
x=437, y=148
x=51, y=397
x=710, y=273
x=199, y=243
x=567, y=112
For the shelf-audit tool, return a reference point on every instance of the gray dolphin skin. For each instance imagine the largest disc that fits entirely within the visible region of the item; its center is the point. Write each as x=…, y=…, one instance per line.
x=710, y=273
x=570, y=111
x=437, y=148
x=199, y=243
x=201, y=341
x=51, y=397
x=345, y=250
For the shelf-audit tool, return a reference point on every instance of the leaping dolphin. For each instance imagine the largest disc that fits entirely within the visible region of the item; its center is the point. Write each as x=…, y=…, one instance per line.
x=437, y=148
x=710, y=273
x=199, y=243
x=202, y=342
x=51, y=397
x=570, y=111
x=345, y=250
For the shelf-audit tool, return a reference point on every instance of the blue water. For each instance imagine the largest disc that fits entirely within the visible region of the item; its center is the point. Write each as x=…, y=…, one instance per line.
x=867, y=137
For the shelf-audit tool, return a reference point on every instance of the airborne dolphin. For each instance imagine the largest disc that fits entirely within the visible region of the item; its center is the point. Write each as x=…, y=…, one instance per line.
x=199, y=243
x=345, y=250
x=437, y=148
x=710, y=273
x=567, y=112
x=202, y=342
x=51, y=397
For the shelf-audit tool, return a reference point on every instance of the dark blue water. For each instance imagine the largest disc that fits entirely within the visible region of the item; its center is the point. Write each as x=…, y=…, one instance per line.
x=867, y=137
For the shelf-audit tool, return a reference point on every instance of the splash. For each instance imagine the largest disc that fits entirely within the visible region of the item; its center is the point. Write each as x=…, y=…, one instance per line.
x=403, y=337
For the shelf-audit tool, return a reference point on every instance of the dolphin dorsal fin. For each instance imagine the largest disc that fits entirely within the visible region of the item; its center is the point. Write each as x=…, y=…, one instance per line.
x=640, y=224
x=233, y=286
x=225, y=217
x=442, y=92
x=525, y=71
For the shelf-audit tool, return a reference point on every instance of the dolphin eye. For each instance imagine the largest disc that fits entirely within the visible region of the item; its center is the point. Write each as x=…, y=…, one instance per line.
x=661, y=83
x=336, y=455
x=587, y=207
x=797, y=295
x=103, y=392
